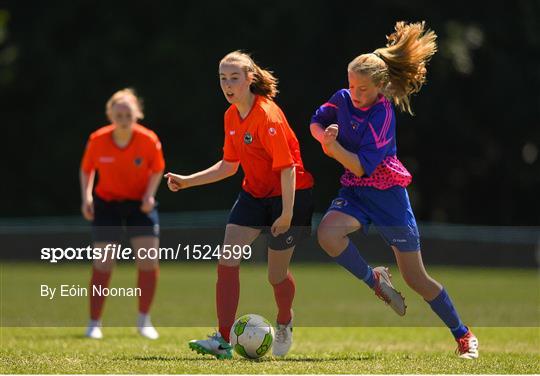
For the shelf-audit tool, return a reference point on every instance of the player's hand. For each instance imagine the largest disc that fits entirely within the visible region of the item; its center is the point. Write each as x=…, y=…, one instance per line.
x=330, y=135
x=148, y=204
x=281, y=225
x=87, y=209
x=176, y=182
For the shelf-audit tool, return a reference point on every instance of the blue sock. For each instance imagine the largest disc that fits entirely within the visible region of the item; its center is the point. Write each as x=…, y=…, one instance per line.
x=444, y=308
x=351, y=260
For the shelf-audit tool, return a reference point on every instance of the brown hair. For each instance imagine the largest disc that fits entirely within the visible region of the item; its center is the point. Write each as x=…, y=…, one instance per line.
x=401, y=65
x=129, y=97
x=264, y=82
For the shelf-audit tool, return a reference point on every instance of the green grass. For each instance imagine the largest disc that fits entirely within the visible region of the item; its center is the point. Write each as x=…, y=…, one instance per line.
x=316, y=350
x=341, y=326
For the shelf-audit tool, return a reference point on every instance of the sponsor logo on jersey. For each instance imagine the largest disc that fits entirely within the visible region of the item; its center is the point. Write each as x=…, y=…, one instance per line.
x=232, y=133
x=106, y=159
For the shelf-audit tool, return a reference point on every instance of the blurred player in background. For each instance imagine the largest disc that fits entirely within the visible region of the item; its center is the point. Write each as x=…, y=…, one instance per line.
x=356, y=127
x=129, y=163
x=276, y=193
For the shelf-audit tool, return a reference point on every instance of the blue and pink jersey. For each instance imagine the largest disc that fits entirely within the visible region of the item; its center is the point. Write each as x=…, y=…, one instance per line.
x=371, y=134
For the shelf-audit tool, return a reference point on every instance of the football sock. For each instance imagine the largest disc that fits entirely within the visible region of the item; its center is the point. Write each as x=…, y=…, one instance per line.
x=99, y=278
x=227, y=295
x=351, y=260
x=147, y=281
x=284, y=295
x=444, y=308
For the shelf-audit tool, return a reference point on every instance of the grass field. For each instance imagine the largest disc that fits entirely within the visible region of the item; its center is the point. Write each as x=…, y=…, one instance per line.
x=316, y=350
x=341, y=326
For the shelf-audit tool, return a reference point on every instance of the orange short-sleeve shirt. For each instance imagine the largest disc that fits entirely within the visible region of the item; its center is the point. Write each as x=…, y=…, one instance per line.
x=264, y=144
x=123, y=173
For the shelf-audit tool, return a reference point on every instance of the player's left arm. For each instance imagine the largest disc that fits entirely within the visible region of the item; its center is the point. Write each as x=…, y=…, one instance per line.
x=288, y=187
x=149, y=199
x=157, y=167
x=274, y=140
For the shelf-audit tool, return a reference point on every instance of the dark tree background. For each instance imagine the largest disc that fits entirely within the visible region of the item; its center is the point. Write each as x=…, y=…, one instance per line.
x=472, y=146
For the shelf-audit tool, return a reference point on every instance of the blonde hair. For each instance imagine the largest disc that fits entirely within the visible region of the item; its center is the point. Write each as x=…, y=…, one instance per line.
x=264, y=82
x=128, y=97
x=400, y=66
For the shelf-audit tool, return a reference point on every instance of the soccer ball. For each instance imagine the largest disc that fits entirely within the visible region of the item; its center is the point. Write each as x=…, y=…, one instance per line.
x=252, y=336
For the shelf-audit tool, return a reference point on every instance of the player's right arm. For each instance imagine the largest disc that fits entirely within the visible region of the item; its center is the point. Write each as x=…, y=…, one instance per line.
x=317, y=131
x=325, y=115
x=221, y=170
x=87, y=184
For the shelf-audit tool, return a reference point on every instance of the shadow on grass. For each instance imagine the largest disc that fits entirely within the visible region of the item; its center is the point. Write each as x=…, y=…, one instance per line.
x=156, y=358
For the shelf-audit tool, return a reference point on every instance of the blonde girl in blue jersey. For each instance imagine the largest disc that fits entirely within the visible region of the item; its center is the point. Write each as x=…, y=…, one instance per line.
x=356, y=127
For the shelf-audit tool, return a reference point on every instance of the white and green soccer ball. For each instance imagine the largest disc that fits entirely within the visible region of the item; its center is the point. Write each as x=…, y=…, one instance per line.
x=252, y=336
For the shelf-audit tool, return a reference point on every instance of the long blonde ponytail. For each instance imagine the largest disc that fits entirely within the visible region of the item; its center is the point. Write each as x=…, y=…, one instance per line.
x=401, y=65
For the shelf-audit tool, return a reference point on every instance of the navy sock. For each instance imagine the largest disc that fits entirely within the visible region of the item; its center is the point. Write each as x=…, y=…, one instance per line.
x=444, y=308
x=351, y=260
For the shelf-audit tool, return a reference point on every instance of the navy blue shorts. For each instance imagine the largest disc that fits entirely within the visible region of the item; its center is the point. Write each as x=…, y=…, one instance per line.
x=113, y=218
x=261, y=213
x=389, y=210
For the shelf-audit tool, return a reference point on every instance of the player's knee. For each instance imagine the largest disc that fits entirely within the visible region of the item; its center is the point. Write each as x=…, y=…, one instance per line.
x=147, y=264
x=230, y=262
x=104, y=266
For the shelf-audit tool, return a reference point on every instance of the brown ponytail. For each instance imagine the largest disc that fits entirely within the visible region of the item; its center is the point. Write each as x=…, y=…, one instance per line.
x=264, y=82
x=401, y=65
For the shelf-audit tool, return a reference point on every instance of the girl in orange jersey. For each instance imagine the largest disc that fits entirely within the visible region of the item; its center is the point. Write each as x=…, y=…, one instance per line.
x=129, y=163
x=276, y=194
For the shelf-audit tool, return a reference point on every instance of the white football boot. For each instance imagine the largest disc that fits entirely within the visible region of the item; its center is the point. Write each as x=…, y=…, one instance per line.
x=145, y=327
x=386, y=291
x=215, y=345
x=282, y=339
x=94, y=330
x=467, y=346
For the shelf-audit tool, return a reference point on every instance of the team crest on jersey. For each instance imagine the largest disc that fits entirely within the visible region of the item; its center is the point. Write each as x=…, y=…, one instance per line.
x=248, y=138
x=354, y=125
x=272, y=131
x=339, y=203
x=138, y=161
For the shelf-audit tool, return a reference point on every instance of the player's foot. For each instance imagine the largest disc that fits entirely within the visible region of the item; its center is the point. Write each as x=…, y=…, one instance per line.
x=215, y=345
x=467, y=346
x=94, y=330
x=145, y=327
x=283, y=339
x=386, y=291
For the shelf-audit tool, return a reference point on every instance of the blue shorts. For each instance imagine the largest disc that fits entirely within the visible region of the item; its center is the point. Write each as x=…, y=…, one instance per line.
x=389, y=210
x=260, y=213
x=113, y=218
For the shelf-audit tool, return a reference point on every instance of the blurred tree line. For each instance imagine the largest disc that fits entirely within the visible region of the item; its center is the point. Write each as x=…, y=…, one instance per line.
x=472, y=146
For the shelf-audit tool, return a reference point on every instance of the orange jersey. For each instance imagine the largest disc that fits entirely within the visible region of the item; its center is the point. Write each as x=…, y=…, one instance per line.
x=123, y=172
x=264, y=144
